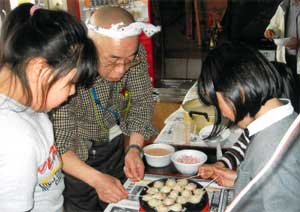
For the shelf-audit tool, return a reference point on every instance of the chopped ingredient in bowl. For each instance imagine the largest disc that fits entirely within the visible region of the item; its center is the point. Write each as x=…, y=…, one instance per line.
x=188, y=159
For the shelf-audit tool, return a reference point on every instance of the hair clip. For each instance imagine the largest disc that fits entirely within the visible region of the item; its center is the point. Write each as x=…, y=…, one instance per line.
x=34, y=8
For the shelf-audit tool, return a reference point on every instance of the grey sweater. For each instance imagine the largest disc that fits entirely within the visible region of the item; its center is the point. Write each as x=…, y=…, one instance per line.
x=279, y=188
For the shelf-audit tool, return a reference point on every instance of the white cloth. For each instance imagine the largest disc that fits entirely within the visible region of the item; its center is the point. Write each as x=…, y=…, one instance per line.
x=30, y=167
x=119, y=31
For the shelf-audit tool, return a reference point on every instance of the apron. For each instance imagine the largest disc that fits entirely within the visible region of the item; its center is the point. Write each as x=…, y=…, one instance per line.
x=107, y=157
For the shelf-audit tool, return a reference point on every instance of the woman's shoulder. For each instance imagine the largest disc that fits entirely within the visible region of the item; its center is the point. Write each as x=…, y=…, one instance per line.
x=267, y=140
x=16, y=116
x=16, y=126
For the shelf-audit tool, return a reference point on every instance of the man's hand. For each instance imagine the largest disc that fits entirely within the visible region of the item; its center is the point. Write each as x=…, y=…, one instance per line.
x=109, y=189
x=269, y=34
x=134, y=167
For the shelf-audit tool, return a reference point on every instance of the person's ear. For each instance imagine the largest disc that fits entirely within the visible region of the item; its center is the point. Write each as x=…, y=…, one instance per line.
x=37, y=69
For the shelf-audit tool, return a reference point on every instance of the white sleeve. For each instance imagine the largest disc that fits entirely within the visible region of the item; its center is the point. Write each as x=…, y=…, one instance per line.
x=18, y=168
x=275, y=21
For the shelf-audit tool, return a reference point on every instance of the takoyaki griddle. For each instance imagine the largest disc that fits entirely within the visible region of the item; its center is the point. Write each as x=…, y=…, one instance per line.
x=202, y=206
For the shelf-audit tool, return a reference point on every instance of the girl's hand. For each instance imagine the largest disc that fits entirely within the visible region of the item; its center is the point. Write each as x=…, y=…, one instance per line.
x=207, y=171
x=226, y=177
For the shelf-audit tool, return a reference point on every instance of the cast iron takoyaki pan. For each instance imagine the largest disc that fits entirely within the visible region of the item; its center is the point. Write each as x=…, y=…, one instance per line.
x=203, y=204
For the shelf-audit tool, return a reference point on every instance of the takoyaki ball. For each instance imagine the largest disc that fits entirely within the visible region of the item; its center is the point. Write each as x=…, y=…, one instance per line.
x=159, y=195
x=176, y=207
x=195, y=199
x=162, y=208
x=171, y=182
x=158, y=184
x=177, y=187
x=147, y=197
x=199, y=191
x=173, y=194
x=186, y=193
x=182, y=182
x=191, y=186
x=165, y=189
x=181, y=200
x=169, y=201
x=154, y=203
x=152, y=190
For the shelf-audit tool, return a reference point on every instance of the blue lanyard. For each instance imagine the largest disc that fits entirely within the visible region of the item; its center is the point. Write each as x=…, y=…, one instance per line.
x=101, y=107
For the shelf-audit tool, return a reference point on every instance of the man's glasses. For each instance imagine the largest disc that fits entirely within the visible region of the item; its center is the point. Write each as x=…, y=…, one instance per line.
x=127, y=64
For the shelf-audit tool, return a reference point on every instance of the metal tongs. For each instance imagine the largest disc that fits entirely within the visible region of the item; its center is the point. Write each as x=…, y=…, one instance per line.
x=210, y=182
x=204, y=187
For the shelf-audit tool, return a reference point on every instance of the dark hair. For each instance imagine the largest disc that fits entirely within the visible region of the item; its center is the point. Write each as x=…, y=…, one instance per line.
x=53, y=35
x=244, y=76
x=289, y=86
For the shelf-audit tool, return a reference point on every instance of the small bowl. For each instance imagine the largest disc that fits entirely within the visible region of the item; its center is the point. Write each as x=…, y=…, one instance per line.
x=159, y=158
x=283, y=41
x=188, y=168
x=205, y=132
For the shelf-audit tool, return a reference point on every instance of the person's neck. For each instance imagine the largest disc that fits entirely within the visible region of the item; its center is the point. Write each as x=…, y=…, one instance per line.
x=11, y=86
x=269, y=105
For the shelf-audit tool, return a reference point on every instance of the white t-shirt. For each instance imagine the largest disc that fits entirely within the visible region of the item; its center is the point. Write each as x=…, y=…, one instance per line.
x=30, y=166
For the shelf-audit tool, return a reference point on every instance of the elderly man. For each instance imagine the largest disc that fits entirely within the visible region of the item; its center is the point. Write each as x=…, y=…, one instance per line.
x=89, y=129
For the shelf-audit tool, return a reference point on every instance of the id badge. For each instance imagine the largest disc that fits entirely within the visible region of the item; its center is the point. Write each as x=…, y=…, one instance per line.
x=114, y=132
